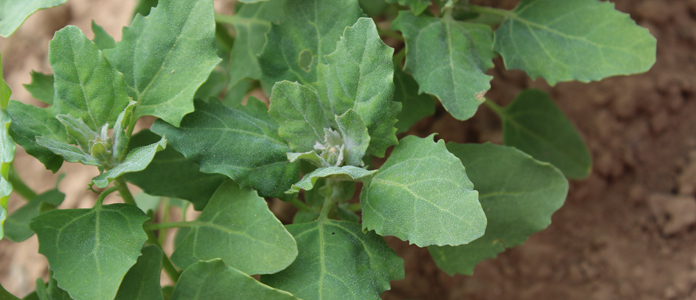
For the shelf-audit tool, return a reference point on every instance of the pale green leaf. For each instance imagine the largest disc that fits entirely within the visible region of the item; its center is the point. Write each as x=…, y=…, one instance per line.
x=300, y=115
x=136, y=160
x=147, y=202
x=336, y=259
x=78, y=130
x=41, y=87
x=17, y=224
x=237, y=227
x=242, y=143
x=213, y=280
x=422, y=194
x=121, y=130
x=101, y=38
x=28, y=122
x=337, y=173
x=581, y=40
x=90, y=250
x=142, y=282
x=414, y=106
x=417, y=6
x=86, y=85
x=310, y=156
x=164, y=65
x=13, y=12
x=70, y=153
x=518, y=194
x=355, y=137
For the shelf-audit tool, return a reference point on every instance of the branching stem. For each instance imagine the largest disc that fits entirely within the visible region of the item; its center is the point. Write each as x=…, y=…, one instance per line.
x=489, y=10
x=301, y=205
x=105, y=193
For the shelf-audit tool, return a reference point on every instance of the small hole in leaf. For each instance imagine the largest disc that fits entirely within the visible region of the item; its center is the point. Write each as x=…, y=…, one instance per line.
x=305, y=60
x=333, y=233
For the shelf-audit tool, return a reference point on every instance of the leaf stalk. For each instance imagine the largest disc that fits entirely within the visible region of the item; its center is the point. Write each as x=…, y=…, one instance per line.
x=124, y=191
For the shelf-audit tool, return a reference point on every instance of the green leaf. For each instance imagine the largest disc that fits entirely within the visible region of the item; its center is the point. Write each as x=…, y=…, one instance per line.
x=121, y=131
x=337, y=259
x=448, y=59
x=101, y=38
x=86, y=85
x=581, y=40
x=304, y=217
x=417, y=6
x=414, y=106
x=13, y=13
x=41, y=87
x=237, y=227
x=28, y=122
x=241, y=142
x=147, y=202
x=213, y=280
x=342, y=192
x=5, y=295
x=41, y=290
x=79, y=131
x=90, y=250
x=535, y=125
x=7, y=149
x=289, y=54
x=359, y=76
x=136, y=160
x=373, y=8
x=142, y=282
x=351, y=173
x=164, y=66
x=300, y=115
x=310, y=156
x=170, y=174
x=355, y=136
x=422, y=194
x=53, y=291
x=17, y=224
x=144, y=6
x=518, y=194
x=69, y=152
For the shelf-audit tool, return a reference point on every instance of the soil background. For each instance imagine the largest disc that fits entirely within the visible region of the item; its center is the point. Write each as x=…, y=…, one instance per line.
x=626, y=232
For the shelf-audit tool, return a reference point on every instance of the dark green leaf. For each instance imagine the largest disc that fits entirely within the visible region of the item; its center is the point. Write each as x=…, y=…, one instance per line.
x=373, y=8
x=90, y=250
x=13, y=13
x=417, y=6
x=213, y=280
x=237, y=227
x=422, y=194
x=300, y=115
x=351, y=173
x=144, y=6
x=581, y=40
x=53, y=291
x=101, y=38
x=414, y=106
x=518, y=194
x=337, y=259
x=17, y=224
x=5, y=295
x=165, y=65
x=41, y=87
x=142, y=282
x=136, y=160
x=305, y=217
x=28, y=122
x=241, y=142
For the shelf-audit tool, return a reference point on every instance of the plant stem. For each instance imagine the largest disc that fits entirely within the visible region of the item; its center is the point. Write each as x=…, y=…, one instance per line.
x=169, y=268
x=328, y=201
x=390, y=33
x=124, y=191
x=489, y=10
x=165, y=218
x=19, y=186
x=105, y=193
x=355, y=207
x=158, y=226
x=301, y=205
x=500, y=111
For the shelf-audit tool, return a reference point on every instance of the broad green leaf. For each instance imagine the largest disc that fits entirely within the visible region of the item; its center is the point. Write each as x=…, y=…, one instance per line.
x=5, y=295
x=41, y=87
x=86, y=85
x=237, y=227
x=373, y=8
x=414, y=106
x=518, y=194
x=165, y=65
x=41, y=290
x=351, y=173
x=28, y=122
x=355, y=136
x=214, y=280
x=241, y=142
x=101, y=38
x=53, y=291
x=170, y=174
x=290, y=54
x=136, y=160
x=336, y=259
x=535, y=125
x=448, y=59
x=417, y=6
x=70, y=153
x=581, y=40
x=142, y=282
x=17, y=224
x=422, y=194
x=300, y=115
x=90, y=250
x=13, y=13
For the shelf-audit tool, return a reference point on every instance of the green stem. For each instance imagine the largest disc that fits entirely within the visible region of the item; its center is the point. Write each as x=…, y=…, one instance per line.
x=355, y=207
x=489, y=10
x=105, y=193
x=500, y=111
x=301, y=205
x=390, y=33
x=124, y=191
x=158, y=226
x=165, y=218
x=169, y=268
x=330, y=201
x=19, y=186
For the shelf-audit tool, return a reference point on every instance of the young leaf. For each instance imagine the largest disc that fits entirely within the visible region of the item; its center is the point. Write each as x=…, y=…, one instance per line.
x=13, y=13
x=70, y=153
x=237, y=227
x=86, y=85
x=359, y=76
x=213, y=280
x=142, y=282
x=289, y=54
x=355, y=136
x=5, y=295
x=41, y=87
x=300, y=115
x=17, y=224
x=242, y=143
x=101, y=38
x=90, y=250
x=165, y=65
x=448, y=59
x=337, y=258
x=78, y=130
x=170, y=174
x=581, y=40
x=417, y=6
x=121, y=133
x=136, y=160
x=518, y=194
x=422, y=194
x=351, y=173
x=28, y=122
x=414, y=106
x=535, y=125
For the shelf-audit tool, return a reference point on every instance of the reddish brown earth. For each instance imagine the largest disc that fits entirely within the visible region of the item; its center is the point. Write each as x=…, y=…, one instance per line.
x=626, y=232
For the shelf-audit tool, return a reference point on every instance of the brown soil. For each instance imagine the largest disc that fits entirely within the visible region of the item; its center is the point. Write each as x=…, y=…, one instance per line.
x=626, y=232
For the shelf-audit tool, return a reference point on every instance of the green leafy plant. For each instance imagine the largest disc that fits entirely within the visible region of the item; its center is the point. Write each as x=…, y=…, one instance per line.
x=338, y=97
